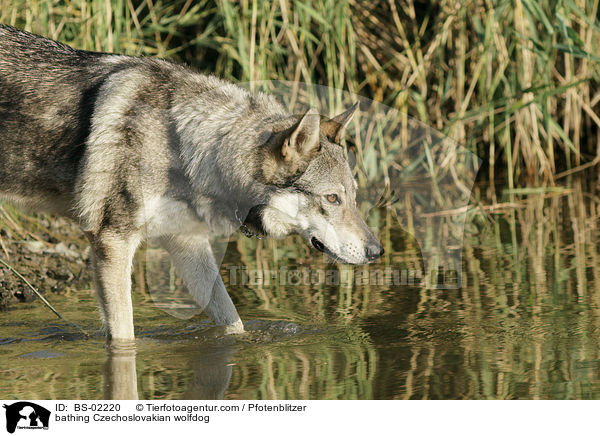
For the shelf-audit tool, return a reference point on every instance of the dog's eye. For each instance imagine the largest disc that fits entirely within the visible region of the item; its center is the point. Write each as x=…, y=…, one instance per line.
x=332, y=198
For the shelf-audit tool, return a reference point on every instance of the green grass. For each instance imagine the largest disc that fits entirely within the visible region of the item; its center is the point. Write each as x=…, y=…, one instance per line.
x=516, y=82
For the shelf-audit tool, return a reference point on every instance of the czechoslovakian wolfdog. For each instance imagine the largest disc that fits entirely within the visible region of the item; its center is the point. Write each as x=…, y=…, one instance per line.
x=134, y=148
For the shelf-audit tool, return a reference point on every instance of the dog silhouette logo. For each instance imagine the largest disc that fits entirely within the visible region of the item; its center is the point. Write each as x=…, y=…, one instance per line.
x=26, y=415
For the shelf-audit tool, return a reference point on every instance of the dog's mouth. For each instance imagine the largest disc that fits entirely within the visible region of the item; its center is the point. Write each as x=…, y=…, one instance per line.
x=318, y=245
x=323, y=249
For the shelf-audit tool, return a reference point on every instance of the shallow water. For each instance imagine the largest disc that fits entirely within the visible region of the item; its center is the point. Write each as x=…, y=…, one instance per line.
x=524, y=324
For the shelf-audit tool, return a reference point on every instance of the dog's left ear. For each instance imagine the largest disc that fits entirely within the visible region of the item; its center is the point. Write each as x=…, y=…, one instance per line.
x=334, y=128
x=304, y=140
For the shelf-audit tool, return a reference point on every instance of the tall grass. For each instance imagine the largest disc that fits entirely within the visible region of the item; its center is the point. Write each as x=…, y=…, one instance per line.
x=514, y=81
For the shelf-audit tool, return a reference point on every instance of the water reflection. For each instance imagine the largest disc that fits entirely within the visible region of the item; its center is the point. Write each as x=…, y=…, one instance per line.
x=120, y=378
x=525, y=323
x=210, y=379
x=211, y=373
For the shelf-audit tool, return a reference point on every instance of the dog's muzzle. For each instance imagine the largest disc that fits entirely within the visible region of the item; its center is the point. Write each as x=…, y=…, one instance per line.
x=373, y=251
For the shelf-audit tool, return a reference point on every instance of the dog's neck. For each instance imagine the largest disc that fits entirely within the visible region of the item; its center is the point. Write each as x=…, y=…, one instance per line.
x=252, y=225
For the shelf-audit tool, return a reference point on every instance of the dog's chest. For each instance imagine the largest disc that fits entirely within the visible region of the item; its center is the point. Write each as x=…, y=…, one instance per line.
x=167, y=216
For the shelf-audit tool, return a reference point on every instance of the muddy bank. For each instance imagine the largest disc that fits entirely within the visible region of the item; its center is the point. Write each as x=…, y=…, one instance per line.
x=51, y=253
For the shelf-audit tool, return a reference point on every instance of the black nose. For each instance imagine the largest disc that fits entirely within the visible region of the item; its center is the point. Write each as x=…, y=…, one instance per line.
x=374, y=251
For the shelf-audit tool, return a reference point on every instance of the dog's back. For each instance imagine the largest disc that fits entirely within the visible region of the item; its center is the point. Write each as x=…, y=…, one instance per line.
x=47, y=93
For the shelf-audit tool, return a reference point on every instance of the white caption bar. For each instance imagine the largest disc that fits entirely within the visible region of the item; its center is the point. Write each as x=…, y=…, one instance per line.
x=41, y=418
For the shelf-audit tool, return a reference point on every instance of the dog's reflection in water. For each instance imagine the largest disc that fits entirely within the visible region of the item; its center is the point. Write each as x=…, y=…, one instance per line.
x=212, y=373
x=120, y=379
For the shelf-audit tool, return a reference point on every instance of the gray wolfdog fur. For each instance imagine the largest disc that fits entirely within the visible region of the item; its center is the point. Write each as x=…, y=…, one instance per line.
x=134, y=148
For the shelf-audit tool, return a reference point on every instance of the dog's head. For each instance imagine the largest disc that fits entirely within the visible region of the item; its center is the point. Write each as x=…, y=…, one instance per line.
x=316, y=192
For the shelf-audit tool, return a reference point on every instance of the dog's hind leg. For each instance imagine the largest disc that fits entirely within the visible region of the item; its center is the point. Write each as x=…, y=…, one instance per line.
x=112, y=258
x=194, y=260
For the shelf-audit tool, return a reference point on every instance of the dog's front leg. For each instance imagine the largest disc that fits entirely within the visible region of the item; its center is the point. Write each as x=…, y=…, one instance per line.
x=194, y=260
x=112, y=256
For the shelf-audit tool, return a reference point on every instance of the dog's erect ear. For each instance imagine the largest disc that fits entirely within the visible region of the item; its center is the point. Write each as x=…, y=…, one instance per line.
x=334, y=128
x=304, y=140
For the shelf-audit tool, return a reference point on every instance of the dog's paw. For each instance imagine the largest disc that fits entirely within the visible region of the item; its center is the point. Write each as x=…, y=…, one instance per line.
x=235, y=329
